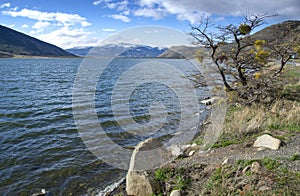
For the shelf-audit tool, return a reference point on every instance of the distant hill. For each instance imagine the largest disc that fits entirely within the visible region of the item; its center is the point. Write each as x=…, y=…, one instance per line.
x=181, y=52
x=120, y=50
x=288, y=31
x=15, y=43
x=143, y=51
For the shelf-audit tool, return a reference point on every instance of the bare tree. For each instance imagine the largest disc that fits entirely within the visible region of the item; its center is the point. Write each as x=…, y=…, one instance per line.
x=231, y=43
x=212, y=40
x=285, y=52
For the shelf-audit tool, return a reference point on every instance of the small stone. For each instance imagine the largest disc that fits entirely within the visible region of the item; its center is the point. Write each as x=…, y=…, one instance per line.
x=208, y=101
x=246, y=169
x=202, y=152
x=192, y=153
x=194, y=145
x=267, y=141
x=225, y=161
x=175, y=193
x=186, y=147
x=255, y=167
x=264, y=188
x=261, y=149
x=175, y=150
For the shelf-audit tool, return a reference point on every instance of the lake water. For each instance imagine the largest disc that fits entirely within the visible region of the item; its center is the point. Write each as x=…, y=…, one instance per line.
x=40, y=144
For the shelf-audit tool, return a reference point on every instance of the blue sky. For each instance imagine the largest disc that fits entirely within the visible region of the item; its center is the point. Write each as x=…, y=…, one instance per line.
x=71, y=23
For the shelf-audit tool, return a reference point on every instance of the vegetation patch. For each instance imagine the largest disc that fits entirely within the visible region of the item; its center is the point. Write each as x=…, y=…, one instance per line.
x=295, y=157
x=172, y=178
x=268, y=180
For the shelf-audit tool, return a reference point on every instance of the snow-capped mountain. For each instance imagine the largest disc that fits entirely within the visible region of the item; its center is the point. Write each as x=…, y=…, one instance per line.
x=118, y=50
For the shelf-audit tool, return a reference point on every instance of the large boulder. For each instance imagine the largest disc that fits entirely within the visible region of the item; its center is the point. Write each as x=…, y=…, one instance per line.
x=267, y=141
x=147, y=155
x=140, y=183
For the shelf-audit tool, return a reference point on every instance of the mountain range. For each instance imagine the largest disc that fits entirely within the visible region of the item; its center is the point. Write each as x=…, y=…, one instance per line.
x=119, y=50
x=14, y=43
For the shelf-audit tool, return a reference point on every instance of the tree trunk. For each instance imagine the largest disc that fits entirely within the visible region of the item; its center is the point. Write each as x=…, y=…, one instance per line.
x=227, y=86
x=283, y=62
x=241, y=76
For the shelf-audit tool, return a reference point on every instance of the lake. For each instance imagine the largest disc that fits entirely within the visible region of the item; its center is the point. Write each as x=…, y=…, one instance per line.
x=55, y=115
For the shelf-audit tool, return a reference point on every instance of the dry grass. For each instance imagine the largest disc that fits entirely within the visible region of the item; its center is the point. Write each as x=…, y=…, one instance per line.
x=282, y=115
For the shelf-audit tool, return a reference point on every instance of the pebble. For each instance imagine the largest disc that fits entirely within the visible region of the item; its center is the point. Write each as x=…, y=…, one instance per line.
x=175, y=193
x=194, y=145
x=255, y=167
x=246, y=169
x=192, y=153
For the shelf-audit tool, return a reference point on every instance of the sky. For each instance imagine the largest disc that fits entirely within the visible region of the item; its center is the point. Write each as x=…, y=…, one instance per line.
x=79, y=23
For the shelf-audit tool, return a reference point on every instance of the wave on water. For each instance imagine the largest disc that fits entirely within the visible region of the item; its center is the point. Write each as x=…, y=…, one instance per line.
x=110, y=188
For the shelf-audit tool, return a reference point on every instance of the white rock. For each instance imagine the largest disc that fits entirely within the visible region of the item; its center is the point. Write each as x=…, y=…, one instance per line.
x=175, y=150
x=147, y=155
x=140, y=183
x=192, y=153
x=194, y=145
x=264, y=188
x=246, y=169
x=261, y=149
x=175, y=193
x=255, y=167
x=208, y=101
x=225, y=161
x=186, y=147
x=267, y=141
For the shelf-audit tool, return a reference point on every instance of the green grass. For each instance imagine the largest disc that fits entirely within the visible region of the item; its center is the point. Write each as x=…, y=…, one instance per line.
x=291, y=127
x=269, y=163
x=175, y=178
x=243, y=163
x=292, y=72
x=225, y=179
x=163, y=174
x=224, y=143
x=180, y=182
x=295, y=157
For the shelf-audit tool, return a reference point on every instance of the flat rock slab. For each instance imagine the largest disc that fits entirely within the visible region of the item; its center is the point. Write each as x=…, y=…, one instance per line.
x=267, y=141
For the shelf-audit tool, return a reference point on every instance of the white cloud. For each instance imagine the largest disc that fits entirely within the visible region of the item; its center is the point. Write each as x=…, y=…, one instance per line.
x=67, y=30
x=120, y=17
x=126, y=12
x=150, y=12
x=68, y=38
x=192, y=10
x=62, y=18
x=122, y=5
x=148, y=3
x=100, y=1
x=5, y=5
x=40, y=25
x=97, y=2
x=108, y=30
x=24, y=26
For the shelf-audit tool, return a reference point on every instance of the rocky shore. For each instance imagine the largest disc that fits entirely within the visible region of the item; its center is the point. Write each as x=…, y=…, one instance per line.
x=255, y=165
x=256, y=153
